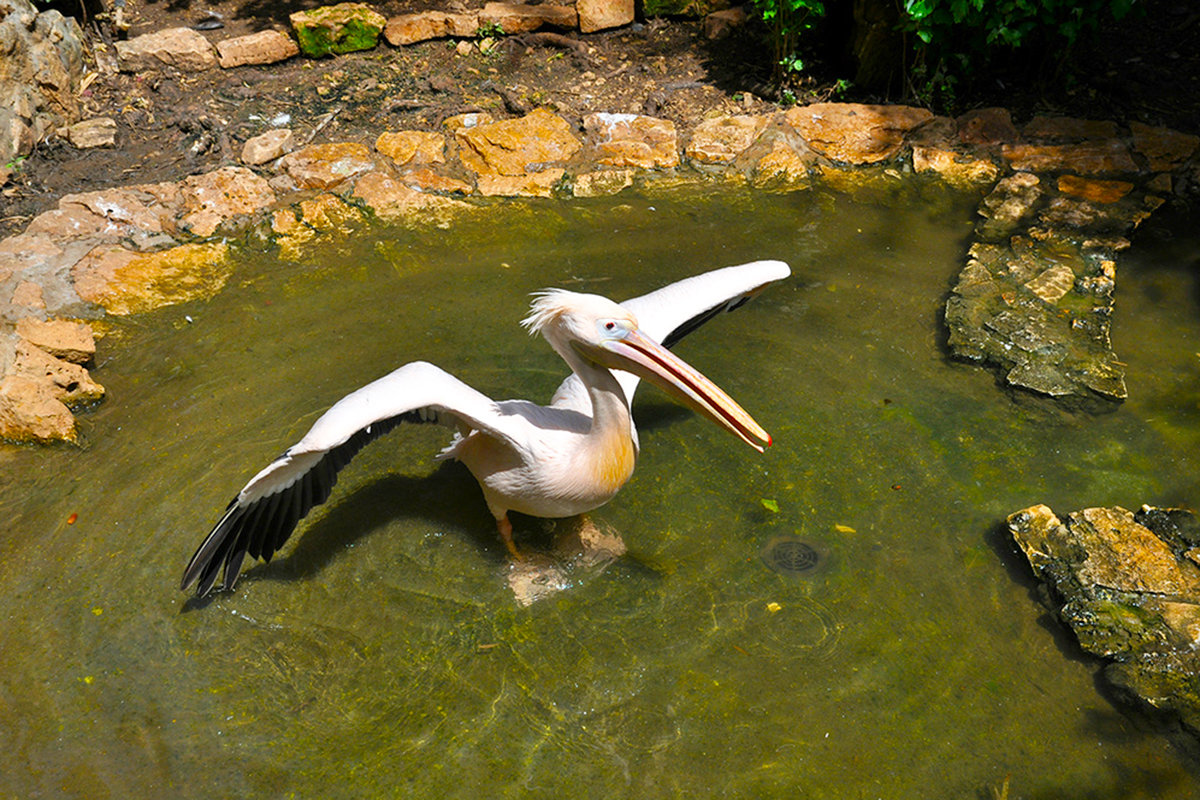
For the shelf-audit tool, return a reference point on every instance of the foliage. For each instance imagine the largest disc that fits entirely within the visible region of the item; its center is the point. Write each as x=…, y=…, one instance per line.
x=956, y=40
x=786, y=21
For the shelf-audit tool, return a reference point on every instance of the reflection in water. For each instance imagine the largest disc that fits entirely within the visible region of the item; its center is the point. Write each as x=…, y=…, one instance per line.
x=383, y=654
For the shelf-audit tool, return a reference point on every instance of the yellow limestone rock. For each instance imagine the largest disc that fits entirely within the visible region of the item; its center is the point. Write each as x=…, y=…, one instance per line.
x=721, y=140
x=124, y=282
x=512, y=147
x=323, y=166
x=632, y=140
x=412, y=147
x=854, y=133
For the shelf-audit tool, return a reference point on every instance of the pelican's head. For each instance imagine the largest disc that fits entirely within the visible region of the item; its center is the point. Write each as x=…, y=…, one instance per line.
x=604, y=333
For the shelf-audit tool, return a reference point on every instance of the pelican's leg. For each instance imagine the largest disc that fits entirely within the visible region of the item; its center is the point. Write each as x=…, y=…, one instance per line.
x=505, y=528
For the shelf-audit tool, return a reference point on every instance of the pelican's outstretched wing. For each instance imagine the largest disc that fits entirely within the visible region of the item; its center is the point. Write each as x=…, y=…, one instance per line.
x=264, y=513
x=672, y=312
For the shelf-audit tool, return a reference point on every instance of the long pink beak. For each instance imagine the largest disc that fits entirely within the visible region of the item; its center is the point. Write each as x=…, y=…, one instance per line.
x=646, y=358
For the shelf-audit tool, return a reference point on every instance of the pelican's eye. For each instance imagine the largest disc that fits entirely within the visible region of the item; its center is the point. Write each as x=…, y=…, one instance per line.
x=610, y=328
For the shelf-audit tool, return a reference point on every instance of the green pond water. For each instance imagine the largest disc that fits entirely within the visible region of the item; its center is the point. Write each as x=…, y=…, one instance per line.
x=383, y=655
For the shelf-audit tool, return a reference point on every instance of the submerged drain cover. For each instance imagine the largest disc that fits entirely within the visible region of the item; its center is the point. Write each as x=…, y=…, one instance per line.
x=790, y=556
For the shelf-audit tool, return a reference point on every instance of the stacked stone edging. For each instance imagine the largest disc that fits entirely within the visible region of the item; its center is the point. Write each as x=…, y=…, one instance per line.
x=1054, y=186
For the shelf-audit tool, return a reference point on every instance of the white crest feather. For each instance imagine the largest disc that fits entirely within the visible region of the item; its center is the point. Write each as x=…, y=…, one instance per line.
x=548, y=305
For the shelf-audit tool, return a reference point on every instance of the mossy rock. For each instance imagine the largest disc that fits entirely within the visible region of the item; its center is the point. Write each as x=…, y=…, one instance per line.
x=343, y=28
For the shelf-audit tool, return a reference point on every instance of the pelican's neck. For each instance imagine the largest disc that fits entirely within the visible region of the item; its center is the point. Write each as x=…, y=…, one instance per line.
x=610, y=410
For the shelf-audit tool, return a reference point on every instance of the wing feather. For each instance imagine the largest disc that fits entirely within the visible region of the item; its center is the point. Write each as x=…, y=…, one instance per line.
x=672, y=312
x=265, y=512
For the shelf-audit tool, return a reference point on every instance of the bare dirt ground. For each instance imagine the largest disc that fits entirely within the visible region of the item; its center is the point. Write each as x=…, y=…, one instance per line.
x=170, y=125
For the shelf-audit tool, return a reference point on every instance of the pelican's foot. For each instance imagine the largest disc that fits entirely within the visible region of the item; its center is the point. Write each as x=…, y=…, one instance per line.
x=581, y=549
x=506, y=531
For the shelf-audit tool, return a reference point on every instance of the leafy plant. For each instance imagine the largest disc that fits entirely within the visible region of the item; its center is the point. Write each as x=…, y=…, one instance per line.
x=490, y=30
x=786, y=21
x=955, y=40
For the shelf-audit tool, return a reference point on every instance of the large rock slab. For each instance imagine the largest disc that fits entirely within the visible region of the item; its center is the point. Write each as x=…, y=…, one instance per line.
x=215, y=197
x=323, y=166
x=1036, y=295
x=522, y=18
x=854, y=133
x=516, y=146
x=264, y=47
x=412, y=28
x=598, y=15
x=181, y=48
x=632, y=140
x=1128, y=586
x=412, y=147
x=722, y=139
x=41, y=65
x=342, y=28
x=393, y=201
x=125, y=282
x=1092, y=157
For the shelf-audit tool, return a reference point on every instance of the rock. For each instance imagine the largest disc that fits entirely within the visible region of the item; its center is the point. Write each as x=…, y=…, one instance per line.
x=1163, y=148
x=783, y=167
x=181, y=48
x=124, y=282
x=267, y=146
x=1093, y=157
x=412, y=28
x=720, y=24
x=598, y=15
x=392, y=201
x=957, y=169
x=1095, y=191
x=65, y=339
x=29, y=295
x=1126, y=587
x=96, y=132
x=264, y=47
x=1068, y=129
x=1010, y=202
x=426, y=180
x=325, y=215
x=521, y=18
x=601, y=183
x=532, y=184
x=68, y=383
x=342, y=28
x=469, y=120
x=323, y=166
x=986, y=126
x=1005, y=310
x=215, y=197
x=721, y=140
x=512, y=147
x=854, y=133
x=632, y=140
x=41, y=66
x=30, y=412
x=140, y=214
x=412, y=147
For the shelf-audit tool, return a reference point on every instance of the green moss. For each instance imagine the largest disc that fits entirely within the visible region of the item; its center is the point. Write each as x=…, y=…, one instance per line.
x=337, y=29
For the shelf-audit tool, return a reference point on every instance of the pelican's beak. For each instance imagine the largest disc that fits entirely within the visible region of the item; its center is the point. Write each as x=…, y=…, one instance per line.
x=646, y=358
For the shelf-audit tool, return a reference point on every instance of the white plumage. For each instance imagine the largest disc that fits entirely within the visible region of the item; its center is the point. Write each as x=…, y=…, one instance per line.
x=549, y=461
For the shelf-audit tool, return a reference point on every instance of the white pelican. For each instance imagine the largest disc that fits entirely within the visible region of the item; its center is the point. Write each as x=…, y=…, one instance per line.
x=547, y=461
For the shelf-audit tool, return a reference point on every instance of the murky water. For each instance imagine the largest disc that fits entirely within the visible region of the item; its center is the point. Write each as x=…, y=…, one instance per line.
x=382, y=654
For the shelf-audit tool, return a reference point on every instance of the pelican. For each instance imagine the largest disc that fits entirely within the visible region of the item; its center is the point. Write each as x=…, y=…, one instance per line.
x=554, y=461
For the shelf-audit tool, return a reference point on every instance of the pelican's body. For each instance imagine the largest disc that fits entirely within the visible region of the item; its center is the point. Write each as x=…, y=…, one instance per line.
x=546, y=461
